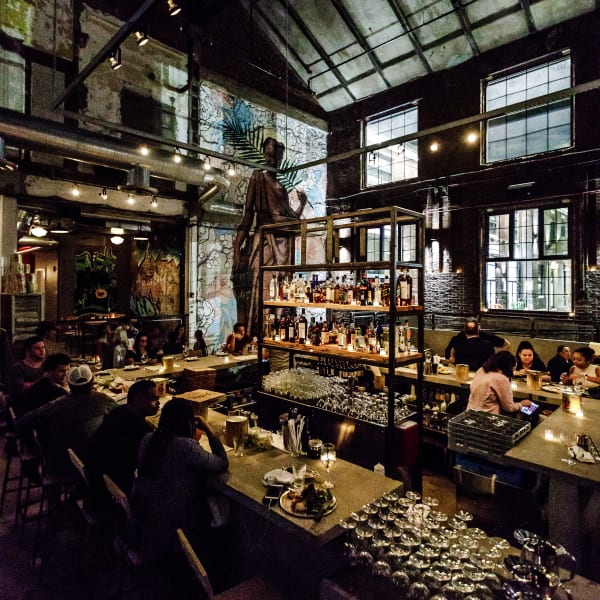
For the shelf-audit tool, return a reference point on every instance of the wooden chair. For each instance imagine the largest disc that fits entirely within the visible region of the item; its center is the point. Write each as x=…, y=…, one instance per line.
x=254, y=588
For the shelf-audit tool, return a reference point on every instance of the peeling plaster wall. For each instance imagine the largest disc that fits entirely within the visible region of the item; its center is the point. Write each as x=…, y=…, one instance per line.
x=33, y=22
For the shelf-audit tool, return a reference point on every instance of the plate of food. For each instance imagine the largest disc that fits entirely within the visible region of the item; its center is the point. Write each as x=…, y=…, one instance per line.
x=130, y=367
x=311, y=503
x=443, y=370
x=552, y=388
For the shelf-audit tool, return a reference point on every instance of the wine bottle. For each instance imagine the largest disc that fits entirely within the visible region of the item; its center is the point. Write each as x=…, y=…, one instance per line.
x=273, y=288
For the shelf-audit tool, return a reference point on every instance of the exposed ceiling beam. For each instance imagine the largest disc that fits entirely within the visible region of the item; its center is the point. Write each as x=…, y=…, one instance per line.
x=466, y=26
x=360, y=38
x=312, y=39
x=525, y=5
x=411, y=34
x=104, y=53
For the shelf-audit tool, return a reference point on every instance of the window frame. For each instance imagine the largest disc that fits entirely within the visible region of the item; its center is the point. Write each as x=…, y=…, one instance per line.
x=522, y=68
x=542, y=255
x=365, y=157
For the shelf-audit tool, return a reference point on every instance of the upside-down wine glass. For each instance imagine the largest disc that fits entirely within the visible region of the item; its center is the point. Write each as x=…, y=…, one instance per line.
x=328, y=457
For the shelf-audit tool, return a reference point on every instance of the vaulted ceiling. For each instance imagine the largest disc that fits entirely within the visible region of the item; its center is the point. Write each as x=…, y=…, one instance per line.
x=332, y=53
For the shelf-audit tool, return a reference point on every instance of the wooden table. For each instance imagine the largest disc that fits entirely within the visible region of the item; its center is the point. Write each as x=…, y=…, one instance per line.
x=574, y=489
x=354, y=487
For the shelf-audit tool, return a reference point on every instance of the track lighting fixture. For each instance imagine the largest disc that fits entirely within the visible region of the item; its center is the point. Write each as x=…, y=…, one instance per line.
x=206, y=166
x=117, y=240
x=103, y=194
x=114, y=60
x=174, y=8
x=154, y=202
x=141, y=39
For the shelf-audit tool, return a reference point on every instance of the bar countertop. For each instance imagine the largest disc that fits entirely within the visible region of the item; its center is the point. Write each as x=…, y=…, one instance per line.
x=354, y=487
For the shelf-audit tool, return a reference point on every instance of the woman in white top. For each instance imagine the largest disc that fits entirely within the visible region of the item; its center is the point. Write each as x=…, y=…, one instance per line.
x=491, y=390
x=583, y=367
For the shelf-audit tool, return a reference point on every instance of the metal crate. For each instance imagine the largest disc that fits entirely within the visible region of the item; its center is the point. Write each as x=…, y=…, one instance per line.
x=485, y=433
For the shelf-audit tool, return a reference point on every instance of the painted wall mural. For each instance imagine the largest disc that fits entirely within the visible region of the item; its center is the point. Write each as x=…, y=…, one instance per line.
x=156, y=268
x=95, y=281
x=234, y=126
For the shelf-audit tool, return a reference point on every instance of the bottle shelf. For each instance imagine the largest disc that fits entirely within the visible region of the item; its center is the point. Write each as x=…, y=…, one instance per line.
x=411, y=308
x=334, y=351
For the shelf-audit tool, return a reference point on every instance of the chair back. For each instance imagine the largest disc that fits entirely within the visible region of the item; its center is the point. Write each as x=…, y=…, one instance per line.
x=79, y=467
x=196, y=564
x=118, y=496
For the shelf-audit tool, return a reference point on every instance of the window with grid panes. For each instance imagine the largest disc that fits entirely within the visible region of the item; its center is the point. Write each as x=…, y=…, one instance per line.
x=528, y=264
x=395, y=162
x=534, y=130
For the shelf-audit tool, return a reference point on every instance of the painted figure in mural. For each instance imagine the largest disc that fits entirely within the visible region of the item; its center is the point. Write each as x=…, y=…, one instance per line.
x=267, y=202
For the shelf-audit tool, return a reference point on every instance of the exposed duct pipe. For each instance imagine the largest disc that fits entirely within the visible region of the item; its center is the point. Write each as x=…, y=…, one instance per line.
x=33, y=133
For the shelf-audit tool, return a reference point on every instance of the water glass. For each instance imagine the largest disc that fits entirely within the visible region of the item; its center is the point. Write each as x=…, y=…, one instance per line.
x=299, y=473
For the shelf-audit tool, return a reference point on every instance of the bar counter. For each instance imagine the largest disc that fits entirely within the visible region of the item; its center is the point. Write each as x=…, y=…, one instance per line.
x=354, y=487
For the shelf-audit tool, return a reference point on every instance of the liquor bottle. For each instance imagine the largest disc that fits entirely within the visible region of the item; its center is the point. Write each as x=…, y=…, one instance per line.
x=407, y=336
x=336, y=291
x=308, y=293
x=283, y=330
x=350, y=334
x=342, y=291
x=405, y=288
x=333, y=332
x=286, y=290
x=401, y=340
x=350, y=291
x=312, y=330
x=291, y=335
x=292, y=290
x=302, y=327
x=301, y=290
x=341, y=337
x=376, y=292
x=385, y=291
x=273, y=288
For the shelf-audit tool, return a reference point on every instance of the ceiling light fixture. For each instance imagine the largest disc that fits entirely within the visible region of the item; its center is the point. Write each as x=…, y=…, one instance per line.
x=434, y=147
x=141, y=39
x=177, y=156
x=144, y=150
x=206, y=166
x=174, y=8
x=75, y=191
x=117, y=240
x=59, y=229
x=114, y=60
x=37, y=229
x=117, y=231
x=103, y=194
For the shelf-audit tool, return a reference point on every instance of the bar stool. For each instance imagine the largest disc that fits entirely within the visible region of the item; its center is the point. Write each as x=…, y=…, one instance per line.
x=254, y=588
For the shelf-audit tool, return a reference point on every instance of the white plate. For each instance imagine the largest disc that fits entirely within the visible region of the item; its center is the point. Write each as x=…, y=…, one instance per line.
x=286, y=504
x=277, y=476
x=130, y=368
x=190, y=358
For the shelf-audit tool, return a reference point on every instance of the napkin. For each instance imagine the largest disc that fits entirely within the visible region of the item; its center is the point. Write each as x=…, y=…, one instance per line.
x=578, y=453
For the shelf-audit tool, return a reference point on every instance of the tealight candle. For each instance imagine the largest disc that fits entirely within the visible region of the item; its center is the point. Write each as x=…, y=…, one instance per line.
x=549, y=435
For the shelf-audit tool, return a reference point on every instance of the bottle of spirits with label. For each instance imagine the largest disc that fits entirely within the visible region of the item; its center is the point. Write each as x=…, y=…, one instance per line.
x=302, y=327
x=273, y=288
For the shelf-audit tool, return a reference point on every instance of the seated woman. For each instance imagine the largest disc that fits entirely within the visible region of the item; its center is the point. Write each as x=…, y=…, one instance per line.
x=529, y=360
x=491, y=390
x=583, y=367
x=172, y=486
x=140, y=353
x=200, y=343
x=176, y=341
x=237, y=340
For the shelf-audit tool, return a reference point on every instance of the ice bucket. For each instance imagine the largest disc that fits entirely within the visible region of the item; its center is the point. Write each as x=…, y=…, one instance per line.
x=534, y=380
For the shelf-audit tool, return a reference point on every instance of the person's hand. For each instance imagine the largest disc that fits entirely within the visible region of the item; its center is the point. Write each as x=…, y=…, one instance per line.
x=202, y=425
x=525, y=403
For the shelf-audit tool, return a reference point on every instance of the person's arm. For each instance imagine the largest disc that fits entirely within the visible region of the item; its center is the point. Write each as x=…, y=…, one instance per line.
x=594, y=378
x=503, y=391
x=230, y=343
x=215, y=461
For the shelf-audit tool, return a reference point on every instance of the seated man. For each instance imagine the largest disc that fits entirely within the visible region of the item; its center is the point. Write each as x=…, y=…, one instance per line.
x=69, y=421
x=115, y=445
x=237, y=340
x=472, y=350
x=52, y=385
x=24, y=373
x=496, y=341
x=560, y=363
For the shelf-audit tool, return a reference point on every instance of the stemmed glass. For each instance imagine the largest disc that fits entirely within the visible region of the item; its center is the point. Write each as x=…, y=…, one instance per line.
x=328, y=457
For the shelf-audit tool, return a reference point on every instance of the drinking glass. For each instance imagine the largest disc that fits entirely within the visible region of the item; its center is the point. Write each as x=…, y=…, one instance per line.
x=239, y=444
x=328, y=457
x=144, y=358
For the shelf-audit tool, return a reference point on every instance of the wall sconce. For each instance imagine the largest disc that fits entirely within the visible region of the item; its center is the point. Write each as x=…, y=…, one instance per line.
x=141, y=39
x=117, y=240
x=174, y=8
x=231, y=171
x=114, y=60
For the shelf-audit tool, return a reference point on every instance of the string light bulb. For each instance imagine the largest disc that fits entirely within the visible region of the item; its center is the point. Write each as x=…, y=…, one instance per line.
x=177, y=156
x=434, y=147
x=144, y=150
x=154, y=202
x=103, y=194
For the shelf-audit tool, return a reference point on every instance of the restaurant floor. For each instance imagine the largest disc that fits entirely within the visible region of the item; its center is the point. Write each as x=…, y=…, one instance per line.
x=70, y=573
